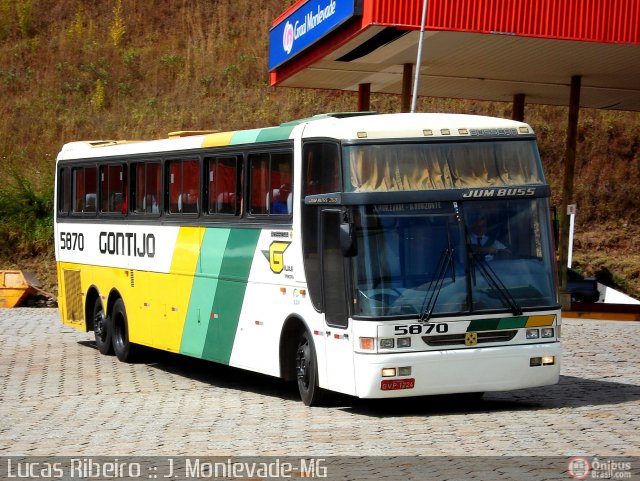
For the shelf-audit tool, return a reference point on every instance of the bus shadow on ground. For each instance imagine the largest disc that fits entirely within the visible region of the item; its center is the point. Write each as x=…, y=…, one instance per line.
x=212, y=373
x=571, y=391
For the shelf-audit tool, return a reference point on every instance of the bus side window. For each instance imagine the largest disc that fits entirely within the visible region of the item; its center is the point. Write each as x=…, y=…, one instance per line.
x=64, y=191
x=145, y=188
x=224, y=185
x=280, y=191
x=184, y=186
x=113, y=192
x=259, y=183
x=270, y=183
x=321, y=168
x=85, y=189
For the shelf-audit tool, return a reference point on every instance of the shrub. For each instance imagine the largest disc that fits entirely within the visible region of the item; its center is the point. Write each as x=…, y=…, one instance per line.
x=26, y=223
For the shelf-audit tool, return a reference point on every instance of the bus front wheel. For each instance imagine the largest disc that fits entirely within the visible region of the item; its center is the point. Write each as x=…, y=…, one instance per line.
x=102, y=328
x=125, y=350
x=307, y=371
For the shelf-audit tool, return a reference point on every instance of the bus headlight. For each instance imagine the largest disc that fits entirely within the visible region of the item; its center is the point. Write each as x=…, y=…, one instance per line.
x=546, y=332
x=533, y=334
x=387, y=343
x=404, y=342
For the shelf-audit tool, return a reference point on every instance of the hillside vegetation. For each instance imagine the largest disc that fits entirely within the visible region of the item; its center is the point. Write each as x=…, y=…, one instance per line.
x=123, y=69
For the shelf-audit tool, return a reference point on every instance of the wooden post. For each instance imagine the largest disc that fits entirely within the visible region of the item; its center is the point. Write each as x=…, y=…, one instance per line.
x=364, y=97
x=518, y=107
x=567, y=186
x=406, y=88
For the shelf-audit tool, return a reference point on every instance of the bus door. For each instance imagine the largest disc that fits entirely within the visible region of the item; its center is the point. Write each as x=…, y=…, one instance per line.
x=338, y=339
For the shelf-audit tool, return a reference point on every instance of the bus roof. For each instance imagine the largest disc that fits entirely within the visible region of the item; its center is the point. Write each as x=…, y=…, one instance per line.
x=341, y=126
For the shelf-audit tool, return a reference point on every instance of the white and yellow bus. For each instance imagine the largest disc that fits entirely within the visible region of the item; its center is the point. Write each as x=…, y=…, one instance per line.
x=373, y=255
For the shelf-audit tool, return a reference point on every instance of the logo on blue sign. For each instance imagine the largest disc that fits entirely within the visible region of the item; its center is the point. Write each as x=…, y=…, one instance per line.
x=305, y=26
x=287, y=38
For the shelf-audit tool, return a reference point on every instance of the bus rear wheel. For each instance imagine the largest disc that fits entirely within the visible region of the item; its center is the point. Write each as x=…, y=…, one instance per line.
x=307, y=371
x=102, y=328
x=125, y=350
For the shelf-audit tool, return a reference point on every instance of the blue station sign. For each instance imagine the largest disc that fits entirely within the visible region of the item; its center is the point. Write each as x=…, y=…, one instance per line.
x=305, y=26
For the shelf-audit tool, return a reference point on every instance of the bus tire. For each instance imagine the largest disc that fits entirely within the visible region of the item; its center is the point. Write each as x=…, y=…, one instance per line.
x=102, y=328
x=307, y=371
x=125, y=350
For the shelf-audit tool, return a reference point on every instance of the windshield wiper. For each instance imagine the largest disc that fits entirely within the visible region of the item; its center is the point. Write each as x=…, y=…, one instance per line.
x=496, y=283
x=435, y=286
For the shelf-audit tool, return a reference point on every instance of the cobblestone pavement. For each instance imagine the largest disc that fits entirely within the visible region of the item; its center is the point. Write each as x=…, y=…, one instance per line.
x=58, y=396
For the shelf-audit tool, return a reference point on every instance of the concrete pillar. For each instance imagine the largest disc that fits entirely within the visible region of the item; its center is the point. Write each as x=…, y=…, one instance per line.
x=364, y=97
x=567, y=186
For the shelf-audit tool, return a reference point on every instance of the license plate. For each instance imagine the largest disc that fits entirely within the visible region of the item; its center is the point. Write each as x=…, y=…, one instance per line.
x=394, y=384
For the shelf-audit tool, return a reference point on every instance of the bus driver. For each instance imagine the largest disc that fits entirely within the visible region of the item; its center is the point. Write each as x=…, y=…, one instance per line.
x=483, y=243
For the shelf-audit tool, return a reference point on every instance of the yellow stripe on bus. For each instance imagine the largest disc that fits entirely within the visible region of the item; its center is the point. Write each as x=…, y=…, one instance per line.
x=539, y=321
x=168, y=330
x=217, y=140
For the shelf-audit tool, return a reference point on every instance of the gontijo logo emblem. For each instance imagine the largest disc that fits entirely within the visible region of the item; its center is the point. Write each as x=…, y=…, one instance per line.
x=275, y=255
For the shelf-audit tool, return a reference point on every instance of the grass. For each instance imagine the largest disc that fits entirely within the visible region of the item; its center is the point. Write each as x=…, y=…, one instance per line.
x=137, y=70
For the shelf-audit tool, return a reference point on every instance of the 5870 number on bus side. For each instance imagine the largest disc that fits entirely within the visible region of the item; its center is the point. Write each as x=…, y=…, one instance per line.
x=71, y=241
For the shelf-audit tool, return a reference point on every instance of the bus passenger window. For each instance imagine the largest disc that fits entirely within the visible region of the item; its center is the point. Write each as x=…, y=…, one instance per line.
x=113, y=194
x=146, y=188
x=270, y=189
x=184, y=186
x=224, y=194
x=259, y=168
x=85, y=188
x=281, y=196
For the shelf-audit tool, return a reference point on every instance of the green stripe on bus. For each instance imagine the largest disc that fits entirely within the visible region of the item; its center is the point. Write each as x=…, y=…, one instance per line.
x=274, y=133
x=204, y=288
x=229, y=295
x=244, y=137
x=496, y=324
x=483, y=325
x=512, y=322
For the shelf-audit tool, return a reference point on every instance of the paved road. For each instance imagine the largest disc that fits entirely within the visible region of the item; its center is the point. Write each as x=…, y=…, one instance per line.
x=58, y=396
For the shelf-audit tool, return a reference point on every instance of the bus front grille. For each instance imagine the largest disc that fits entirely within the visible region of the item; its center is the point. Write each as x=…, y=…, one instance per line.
x=459, y=339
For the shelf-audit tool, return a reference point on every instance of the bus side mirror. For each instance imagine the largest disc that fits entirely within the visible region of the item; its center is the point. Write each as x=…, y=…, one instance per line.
x=348, y=240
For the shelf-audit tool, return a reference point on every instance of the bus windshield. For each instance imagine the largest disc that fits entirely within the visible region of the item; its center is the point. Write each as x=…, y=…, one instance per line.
x=444, y=258
x=442, y=165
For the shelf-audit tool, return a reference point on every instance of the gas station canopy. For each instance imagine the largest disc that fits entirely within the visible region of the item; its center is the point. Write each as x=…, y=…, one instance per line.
x=475, y=49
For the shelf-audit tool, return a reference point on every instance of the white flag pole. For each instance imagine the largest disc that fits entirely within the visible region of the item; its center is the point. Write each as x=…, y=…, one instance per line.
x=416, y=80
